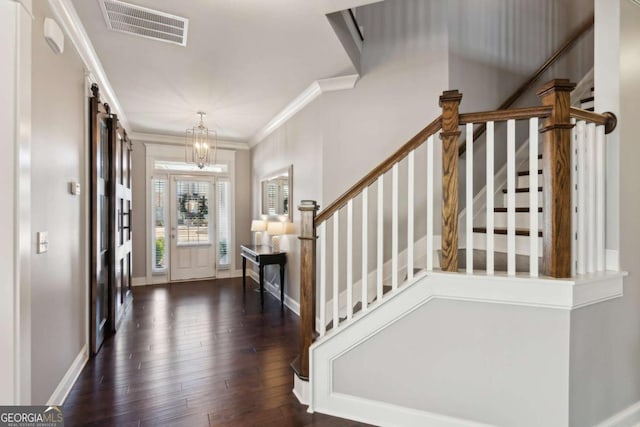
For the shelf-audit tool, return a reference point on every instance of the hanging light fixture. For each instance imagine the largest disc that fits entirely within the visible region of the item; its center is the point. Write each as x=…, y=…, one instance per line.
x=198, y=146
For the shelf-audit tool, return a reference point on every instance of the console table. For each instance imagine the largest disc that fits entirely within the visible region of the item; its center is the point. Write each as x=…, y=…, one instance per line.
x=262, y=255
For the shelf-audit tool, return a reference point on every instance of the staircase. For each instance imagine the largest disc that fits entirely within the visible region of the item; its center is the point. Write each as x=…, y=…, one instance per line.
x=544, y=237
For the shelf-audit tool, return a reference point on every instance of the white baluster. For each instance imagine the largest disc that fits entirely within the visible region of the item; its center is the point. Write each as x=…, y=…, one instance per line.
x=410, y=195
x=574, y=198
x=336, y=269
x=533, y=197
x=582, y=203
x=349, y=259
x=490, y=197
x=469, y=198
x=365, y=247
x=394, y=227
x=591, y=197
x=380, y=237
x=511, y=197
x=323, y=278
x=600, y=199
x=430, y=202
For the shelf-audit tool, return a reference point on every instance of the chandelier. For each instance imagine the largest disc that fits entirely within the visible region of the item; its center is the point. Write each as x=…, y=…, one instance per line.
x=198, y=145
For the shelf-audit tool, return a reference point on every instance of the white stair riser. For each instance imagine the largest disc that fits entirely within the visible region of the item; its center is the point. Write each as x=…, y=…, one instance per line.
x=522, y=219
x=522, y=200
x=500, y=243
x=586, y=105
x=523, y=181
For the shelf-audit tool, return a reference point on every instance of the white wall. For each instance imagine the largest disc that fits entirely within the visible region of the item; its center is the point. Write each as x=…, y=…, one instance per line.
x=139, y=205
x=15, y=125
x=494, y=46
x=497, y=364
x=342, y=135
x=605, y=338
x=59, y=285
x=299, y=143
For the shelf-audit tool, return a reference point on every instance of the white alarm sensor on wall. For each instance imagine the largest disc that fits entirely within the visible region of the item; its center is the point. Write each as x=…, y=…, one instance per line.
x=53, y=35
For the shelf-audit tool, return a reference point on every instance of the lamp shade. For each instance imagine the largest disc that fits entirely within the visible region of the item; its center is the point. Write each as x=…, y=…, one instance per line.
x=258, y=225
x=275, y=228
x=289, y=228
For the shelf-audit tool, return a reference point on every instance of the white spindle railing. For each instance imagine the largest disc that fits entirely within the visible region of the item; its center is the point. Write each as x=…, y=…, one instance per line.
x=394, y=227
x=349, y=259
x=410, y=213
x=490, y=198
x=469, y=197
x=588, y=203
x=533, y=197
x=380, y=239
x=322, y=231
x=511, y=197
x=365, y=248
x=588, y=222
x=430, y=203
x=336, y=265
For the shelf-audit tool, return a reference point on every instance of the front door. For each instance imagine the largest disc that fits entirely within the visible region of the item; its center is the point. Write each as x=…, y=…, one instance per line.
x=193, y=254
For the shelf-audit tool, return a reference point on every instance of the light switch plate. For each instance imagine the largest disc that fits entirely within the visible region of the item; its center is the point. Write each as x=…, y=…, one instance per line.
x=74, y=188
x=43, y=242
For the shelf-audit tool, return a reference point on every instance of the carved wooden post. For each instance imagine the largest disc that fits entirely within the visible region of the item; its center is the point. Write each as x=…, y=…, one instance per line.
x=556, y=172
x=450, y=101
x=308, y=209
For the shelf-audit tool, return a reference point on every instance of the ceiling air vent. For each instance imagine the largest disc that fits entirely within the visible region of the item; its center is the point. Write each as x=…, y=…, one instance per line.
x=152, y=24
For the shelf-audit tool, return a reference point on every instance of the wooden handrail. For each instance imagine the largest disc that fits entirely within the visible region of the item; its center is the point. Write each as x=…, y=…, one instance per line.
x=609, y=120
x=502, y=115
x=383, y=167
x=569, y=42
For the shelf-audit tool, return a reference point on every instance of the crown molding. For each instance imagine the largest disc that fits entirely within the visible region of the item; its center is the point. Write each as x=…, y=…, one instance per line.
x=314, y=90
x=155, y=138
x=69, y=20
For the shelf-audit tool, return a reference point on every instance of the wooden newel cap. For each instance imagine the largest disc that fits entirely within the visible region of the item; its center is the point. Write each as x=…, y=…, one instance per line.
x=308, y=205
x=556, y=85
x=450, y=96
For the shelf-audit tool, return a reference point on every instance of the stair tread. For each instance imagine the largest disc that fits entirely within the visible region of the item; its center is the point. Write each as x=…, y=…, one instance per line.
x=521, y=190
x=518, y=210
x=526, y=173
x=502, y=230
x=588, y=99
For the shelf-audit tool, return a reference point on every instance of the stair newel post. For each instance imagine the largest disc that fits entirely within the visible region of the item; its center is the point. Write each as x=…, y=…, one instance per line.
x=450, y=102
x=308, y=210
x=556, y=172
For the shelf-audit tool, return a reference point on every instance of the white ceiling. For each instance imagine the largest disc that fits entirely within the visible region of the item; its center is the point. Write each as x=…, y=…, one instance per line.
x=244, y=61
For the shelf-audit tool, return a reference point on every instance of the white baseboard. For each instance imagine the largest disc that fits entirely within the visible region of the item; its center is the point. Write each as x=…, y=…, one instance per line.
x=274, y=290
x=225, y=274
x=64, y=387
x=386, y=414
x=139, y=281
x=629, y=417
x=301, y=390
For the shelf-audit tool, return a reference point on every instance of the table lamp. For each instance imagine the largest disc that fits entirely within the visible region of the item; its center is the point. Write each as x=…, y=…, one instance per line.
x=258, y=226
x=275, y=229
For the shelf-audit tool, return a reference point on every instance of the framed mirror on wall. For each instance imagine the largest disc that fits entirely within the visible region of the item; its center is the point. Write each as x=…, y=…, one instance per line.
x=276, y=192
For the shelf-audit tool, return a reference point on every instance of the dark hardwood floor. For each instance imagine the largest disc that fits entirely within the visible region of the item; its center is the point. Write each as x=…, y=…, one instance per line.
x=195, y=354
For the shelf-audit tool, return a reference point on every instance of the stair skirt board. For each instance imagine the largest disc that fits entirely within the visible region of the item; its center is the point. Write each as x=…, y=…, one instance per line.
x=499, y=289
